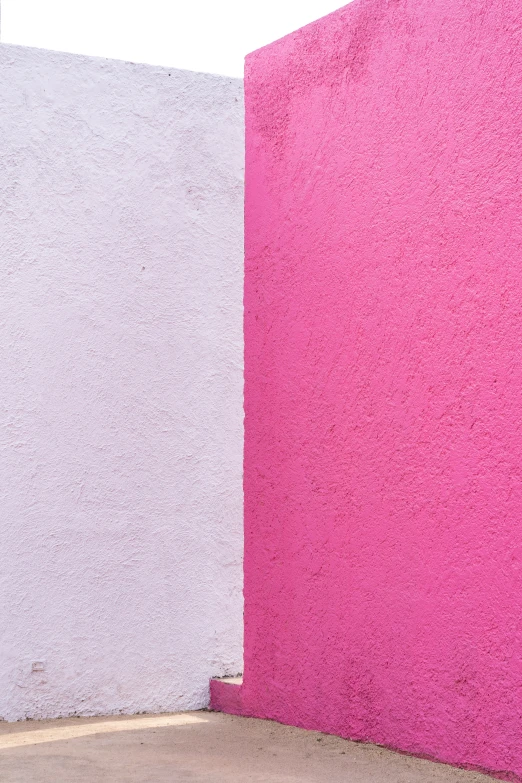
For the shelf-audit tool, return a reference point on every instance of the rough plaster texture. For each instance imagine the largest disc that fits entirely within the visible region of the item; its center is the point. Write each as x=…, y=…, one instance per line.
x=121, y=202
x=383, y=488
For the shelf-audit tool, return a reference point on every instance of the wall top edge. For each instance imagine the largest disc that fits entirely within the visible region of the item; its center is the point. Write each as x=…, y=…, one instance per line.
x=343, y=9
x=108, y=62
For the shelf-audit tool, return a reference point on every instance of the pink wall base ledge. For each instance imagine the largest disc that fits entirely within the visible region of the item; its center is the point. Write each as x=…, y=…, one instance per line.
x=227, y=697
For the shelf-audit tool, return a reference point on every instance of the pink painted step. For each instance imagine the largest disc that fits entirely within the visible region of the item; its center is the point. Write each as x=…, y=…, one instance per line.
x=226, y=695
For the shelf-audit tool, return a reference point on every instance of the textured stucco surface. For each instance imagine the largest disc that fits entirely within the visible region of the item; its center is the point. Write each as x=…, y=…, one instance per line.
x=121, y=250
x=383, y=487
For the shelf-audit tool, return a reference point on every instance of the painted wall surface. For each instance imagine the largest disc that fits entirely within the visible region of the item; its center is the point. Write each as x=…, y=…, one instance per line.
x=383, y=472
x=121, y=251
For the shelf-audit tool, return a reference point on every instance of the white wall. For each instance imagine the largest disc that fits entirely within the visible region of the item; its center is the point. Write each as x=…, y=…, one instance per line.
x=120, y=386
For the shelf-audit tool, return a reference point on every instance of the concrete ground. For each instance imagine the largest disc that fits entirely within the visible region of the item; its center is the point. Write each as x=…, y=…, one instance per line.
x=200, y=747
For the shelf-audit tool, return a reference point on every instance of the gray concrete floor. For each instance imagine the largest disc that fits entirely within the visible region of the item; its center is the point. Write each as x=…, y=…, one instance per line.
x=200, y=747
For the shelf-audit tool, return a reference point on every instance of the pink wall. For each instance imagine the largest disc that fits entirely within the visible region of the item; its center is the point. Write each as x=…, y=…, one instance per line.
x=383, y=454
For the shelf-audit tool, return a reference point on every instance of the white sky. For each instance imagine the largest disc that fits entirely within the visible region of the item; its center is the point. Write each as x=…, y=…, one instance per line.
x=200, y=35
